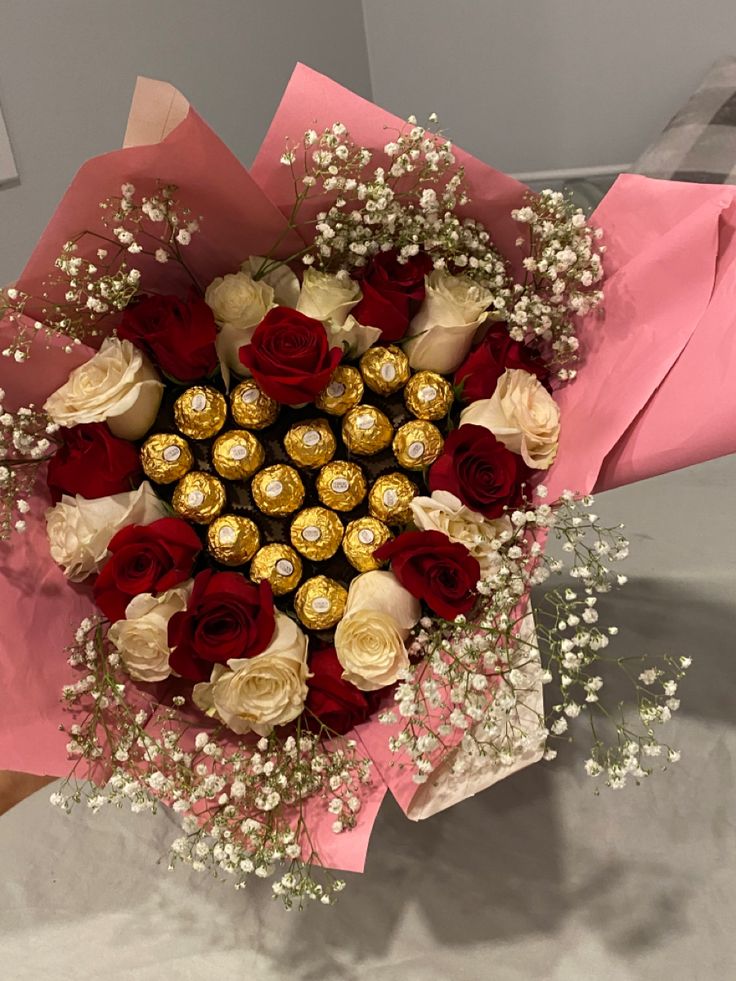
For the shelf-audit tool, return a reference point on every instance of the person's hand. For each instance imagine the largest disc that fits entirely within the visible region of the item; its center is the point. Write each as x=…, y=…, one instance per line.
x=15, y=787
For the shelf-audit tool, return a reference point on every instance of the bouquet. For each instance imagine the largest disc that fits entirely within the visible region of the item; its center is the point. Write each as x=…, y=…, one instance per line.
x=286, y=450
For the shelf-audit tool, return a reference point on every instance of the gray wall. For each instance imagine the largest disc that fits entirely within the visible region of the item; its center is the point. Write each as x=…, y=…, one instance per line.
x=68, y=67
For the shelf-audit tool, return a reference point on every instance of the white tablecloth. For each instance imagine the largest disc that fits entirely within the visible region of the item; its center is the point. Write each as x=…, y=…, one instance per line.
x=535, y=879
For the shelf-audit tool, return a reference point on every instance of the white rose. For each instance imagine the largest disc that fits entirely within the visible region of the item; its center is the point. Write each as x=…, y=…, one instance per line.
x=369, y=640
x=119, y=385
x=257, y=693
x=142, y=637
x=522, y=415
x=79, y=530
x=285, y=283
x=446, y=323
x=352, y=337
x=446, y=513
x=239, y=303
x=325, y=296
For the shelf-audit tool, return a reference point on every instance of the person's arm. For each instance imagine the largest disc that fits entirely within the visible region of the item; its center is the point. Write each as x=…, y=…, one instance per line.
x=15, y=787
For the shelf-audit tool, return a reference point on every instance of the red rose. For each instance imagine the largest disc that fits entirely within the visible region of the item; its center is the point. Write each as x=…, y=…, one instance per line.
x=92, y=462
x=177, y=335
x=145, y=559
x=442, y=573
x=227, y=616
x=335, y=703
x=392, y=293
x=487, y=362
x=479, y=470
x=289, y=356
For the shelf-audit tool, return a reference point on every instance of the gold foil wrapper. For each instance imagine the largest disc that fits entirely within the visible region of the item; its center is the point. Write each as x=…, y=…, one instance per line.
x=200, y=412
x=385, y=369
x=316, y=533
x=344, y=391
x=232, y=539
x=417, y=444
x=166, y=457
x=280, y=565
x=366, y=430
x=237, y=454
x=341, y=485
x=362, y=537
x=199, y=497
x=320, y=602
x=390, y=498
x=277, y=489
x=252, y=408
x=310, y=443
x=428, y=395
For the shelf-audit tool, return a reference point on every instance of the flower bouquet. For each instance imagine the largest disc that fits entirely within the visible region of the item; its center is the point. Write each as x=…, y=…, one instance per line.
x=286, y=449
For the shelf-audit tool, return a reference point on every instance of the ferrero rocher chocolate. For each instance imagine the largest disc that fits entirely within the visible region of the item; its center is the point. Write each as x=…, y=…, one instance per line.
x=362, y=537
x=280, y=565
x=252, y=408
x=417, y=444
x=366, y=430
x=390, y=497
x=385, y=369
x=428, y=395
x=310, y=443
x=320, y=602
x=237, y=454
x=341, y=485
x=277, y=489
x=344, y=391
x=199, y=497
x=232, y=539
x=200, y=412
x=316, y=533
x=166, y=457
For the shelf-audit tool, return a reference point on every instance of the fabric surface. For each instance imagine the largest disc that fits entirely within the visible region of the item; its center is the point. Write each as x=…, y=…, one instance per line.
x=699, y=142
x=534, y=879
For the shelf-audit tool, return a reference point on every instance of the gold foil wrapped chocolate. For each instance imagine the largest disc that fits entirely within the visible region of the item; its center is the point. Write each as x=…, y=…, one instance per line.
x=341, y=485
x=366, y=430
x=280, y=565
x=200, y=412
x=390, y=498
x=316, y=533
x=310, y=443
x=417, y=444
x=237, y=454
x=166, y=457
x=362, y=537
x=252, y=408
x=199, y=497
x=277, y=489
x=385, y=369
x=320, y=602
x=428, y=395
x=344, y=391
x=233, y=540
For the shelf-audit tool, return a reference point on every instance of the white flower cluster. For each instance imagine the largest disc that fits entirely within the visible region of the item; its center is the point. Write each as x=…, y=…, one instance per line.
x=26, y=442
x=242, y=804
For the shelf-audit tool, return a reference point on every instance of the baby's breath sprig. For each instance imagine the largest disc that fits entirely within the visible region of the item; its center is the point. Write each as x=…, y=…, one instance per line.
x=26, y=442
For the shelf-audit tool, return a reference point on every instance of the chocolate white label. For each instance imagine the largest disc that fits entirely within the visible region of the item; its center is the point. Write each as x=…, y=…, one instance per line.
x=195, y=498
x=365, y=422
x=415, y=450
x=199, y=402
x=274, y=488
x=311, y=437
x=335, y=390
x=238, y=452
x=227, y=535
x=311, y=533
x=284, y=567
x=340, y=485
x=388, y=372
x=250, y=395
x=427, y=393
x=172, y=453
x=390, y=498
x=321, y=604
x=366, y=536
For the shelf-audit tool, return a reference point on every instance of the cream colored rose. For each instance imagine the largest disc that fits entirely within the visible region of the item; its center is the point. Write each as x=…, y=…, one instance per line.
x=119, y=385
x=444, y=327
x=79, y=530
x=369, y=640
x=446, y=513
x=522, y=415
x=142, y=637
x=284, y=282
x=325, y=296
x=352, y=337
x=257, y=693
x=239, y=303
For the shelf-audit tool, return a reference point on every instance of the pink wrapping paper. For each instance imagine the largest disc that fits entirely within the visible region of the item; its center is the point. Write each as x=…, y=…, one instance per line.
x=642, y=403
